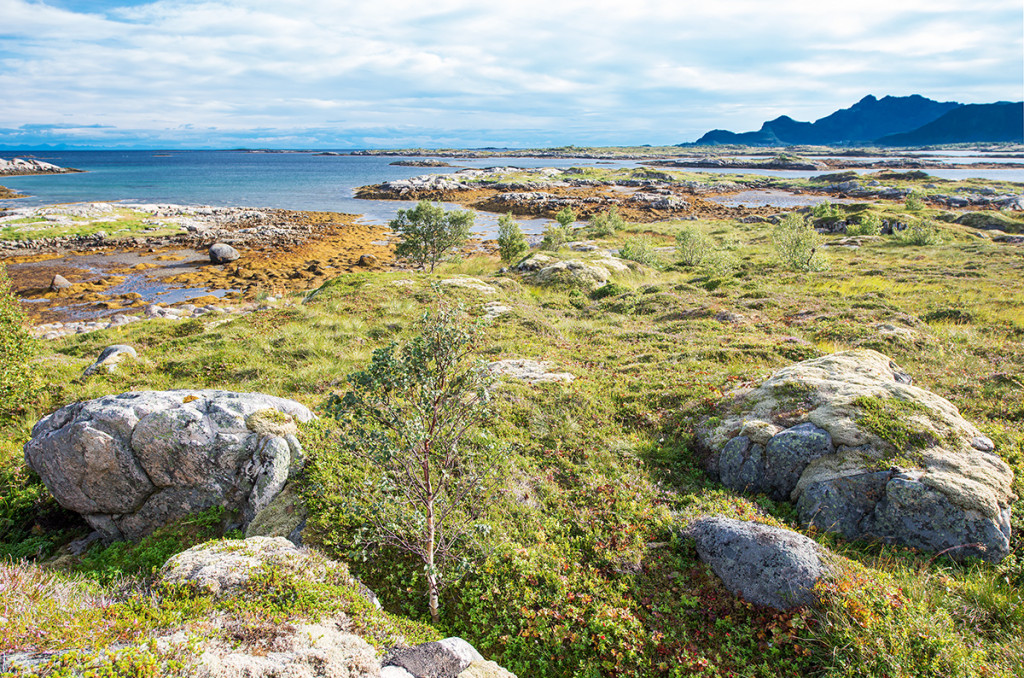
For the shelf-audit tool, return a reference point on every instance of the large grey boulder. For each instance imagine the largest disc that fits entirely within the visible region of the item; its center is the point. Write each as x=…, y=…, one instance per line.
x=765, y=565
x=864, y=453
x=133, y=462
x=222, y=253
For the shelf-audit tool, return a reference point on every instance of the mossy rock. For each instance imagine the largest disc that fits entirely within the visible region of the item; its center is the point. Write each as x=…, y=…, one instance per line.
x=899, y=463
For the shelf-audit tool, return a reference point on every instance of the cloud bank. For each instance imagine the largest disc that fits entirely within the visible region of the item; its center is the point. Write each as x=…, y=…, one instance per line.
x=342, y=74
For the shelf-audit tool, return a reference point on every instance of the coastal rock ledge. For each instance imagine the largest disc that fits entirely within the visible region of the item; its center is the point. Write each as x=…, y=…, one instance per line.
x=22, y=166
x=864, y=453
x=133, y=462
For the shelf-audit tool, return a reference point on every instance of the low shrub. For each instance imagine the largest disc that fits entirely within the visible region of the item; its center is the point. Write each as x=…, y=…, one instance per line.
x=869, y=224
x=606, y=223
x=640, y=250
x=918, y=234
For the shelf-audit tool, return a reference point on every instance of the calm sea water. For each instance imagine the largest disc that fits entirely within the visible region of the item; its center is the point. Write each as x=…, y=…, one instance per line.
x=301, y=181
x=304, y=181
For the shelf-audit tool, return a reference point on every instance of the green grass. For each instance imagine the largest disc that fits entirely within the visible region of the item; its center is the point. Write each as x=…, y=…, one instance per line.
x=583, y=572
x=123, y=223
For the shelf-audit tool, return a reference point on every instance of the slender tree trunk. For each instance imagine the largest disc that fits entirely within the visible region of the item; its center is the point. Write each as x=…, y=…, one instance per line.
x=432, y=582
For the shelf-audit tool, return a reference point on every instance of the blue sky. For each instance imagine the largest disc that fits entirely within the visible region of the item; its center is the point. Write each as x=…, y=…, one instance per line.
x=401, y=73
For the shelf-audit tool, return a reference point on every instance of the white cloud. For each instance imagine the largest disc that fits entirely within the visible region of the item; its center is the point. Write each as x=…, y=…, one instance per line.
x=645, y=71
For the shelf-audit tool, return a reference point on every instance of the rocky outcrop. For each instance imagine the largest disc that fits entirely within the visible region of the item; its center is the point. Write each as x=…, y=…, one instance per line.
x=474, y=284
x=588, y=274
x=530, y=371
x=765, y=565
x=19, y=166
x=864, y=453
x=130, y=463
x=305, y=651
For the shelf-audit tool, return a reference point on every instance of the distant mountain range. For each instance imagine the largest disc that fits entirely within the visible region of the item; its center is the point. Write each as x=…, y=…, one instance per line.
x=889, y=121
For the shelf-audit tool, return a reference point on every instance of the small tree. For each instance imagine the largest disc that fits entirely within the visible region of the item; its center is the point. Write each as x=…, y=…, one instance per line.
x=693, y=245
x=566, y=217
x=797, y=244
x=511, y=243
x=428, y=232
x=409, y=413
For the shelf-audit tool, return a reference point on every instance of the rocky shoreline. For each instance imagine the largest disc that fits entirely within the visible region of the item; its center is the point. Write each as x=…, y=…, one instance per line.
x=650, y=197
x=28, y=166
x=281, y=251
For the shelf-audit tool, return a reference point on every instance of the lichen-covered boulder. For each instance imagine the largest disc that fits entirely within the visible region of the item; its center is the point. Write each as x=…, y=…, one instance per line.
x=301, y=651
x=223, y=567
x=863, y=452
x=573, y=273
x=133, y=462
x=765, y=565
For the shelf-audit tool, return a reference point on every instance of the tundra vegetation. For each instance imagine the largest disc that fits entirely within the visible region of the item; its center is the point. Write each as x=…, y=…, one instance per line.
x=577, y=566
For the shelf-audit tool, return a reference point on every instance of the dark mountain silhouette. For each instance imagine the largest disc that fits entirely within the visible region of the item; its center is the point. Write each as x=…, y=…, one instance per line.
x=1002, y=121
x=865, y=121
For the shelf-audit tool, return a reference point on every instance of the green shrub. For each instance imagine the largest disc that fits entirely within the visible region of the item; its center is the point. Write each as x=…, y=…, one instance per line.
x=913, y=203
x=868, y=224
x=693, y=245
x=797, y=244
x=610, y=289
x=918, y=234
x=640, y=250
x=429, y=232
x=825, y=210
x=555, y=236
x=565, y=217
x=122, y=558
x=16, y=350
x=511, y=243
x=606, y=223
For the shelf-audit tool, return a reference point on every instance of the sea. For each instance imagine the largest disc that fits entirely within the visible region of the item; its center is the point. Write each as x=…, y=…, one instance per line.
x=291, y=180
x=295, y=180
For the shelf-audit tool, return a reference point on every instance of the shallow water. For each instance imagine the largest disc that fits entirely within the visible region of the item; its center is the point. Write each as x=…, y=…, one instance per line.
x=769, y=198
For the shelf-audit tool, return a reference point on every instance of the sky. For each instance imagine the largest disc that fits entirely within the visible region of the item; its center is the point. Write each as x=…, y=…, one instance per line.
x=471, y=73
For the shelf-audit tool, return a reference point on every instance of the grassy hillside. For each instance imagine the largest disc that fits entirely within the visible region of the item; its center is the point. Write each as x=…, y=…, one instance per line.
x=582, y=571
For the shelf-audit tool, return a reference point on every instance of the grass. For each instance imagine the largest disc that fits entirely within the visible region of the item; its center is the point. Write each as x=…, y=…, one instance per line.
x=583, y=572
x=121, y=223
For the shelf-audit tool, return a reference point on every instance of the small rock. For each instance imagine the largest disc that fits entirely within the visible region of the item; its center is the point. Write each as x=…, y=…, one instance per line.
x=110, y=358
x=531, y=371
x=441, y=659
x=469, y=284
x=367, y=260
